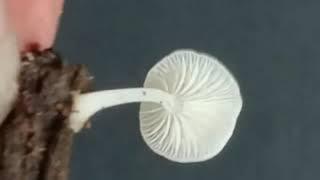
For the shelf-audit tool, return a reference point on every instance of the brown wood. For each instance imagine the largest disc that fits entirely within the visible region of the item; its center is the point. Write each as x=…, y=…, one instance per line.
x=35, y=141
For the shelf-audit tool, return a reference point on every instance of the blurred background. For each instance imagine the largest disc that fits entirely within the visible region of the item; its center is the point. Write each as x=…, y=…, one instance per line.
x=272, y=47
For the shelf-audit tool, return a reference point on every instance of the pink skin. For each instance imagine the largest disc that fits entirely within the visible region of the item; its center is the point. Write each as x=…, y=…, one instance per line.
x=35, y=22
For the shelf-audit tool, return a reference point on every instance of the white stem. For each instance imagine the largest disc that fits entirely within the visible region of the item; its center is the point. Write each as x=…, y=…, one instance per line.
x=86, y=105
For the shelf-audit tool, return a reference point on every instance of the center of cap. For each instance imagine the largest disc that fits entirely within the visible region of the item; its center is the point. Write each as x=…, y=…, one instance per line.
x=173, y=105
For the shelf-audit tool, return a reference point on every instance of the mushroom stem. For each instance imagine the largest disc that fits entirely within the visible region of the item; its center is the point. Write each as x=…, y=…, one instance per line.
x=86, y=105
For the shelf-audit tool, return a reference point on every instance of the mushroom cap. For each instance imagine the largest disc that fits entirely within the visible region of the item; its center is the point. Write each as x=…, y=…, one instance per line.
x=208, y=102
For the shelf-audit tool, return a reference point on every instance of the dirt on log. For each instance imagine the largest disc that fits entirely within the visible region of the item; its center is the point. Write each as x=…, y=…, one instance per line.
x=35, y=141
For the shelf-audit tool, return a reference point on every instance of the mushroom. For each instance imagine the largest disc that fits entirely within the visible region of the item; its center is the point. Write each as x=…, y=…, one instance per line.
x=190, y=105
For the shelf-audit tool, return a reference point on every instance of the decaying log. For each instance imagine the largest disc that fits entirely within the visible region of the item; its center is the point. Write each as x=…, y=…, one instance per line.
x=35, y=141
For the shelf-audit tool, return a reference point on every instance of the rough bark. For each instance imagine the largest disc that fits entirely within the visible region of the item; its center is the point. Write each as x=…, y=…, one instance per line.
x=35, y=141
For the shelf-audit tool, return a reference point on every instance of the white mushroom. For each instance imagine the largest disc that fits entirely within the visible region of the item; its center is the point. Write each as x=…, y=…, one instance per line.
x=190, y=105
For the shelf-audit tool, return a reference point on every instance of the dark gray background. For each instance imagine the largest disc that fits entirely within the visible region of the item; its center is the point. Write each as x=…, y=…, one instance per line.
x=272, y=48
